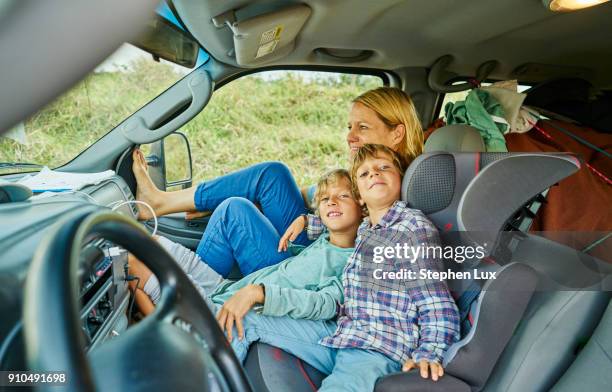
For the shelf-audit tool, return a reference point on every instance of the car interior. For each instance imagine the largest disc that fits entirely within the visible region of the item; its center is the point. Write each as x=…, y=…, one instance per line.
x=544, y=323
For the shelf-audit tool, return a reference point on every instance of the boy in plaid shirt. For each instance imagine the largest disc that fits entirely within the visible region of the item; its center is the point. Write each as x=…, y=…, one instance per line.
x=384, y=325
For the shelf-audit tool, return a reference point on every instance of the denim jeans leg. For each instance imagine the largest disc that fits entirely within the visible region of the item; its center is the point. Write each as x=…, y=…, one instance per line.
x=358, y=370
x=268, y=184
x=238, y=233
x=297, y=337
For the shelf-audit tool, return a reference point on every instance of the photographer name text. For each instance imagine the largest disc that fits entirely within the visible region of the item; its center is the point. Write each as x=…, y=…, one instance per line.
x=427, y=274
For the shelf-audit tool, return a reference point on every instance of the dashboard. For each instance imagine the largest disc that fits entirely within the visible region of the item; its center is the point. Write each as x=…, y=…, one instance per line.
x=103, y=292
x=102, y=272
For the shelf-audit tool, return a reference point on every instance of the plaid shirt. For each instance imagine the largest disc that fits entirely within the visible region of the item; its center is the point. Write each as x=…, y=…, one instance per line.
x=402, y=319
x=314, y=227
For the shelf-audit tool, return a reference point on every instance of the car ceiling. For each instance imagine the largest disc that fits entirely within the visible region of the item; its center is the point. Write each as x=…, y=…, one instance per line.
x=414, y=33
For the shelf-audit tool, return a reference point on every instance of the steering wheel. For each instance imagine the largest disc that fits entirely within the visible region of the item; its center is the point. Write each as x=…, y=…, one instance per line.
x=174, y=348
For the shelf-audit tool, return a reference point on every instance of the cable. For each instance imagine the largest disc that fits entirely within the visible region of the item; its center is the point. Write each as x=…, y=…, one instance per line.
x=85, y=194
x=138, y=202
x=133, y=299
x=6, y=343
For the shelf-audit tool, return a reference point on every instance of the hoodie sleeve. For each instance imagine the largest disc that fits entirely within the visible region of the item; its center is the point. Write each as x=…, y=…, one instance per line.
x=322, y=303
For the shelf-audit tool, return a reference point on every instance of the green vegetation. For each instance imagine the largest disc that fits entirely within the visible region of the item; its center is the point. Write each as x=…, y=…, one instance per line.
x=74, y=121
x=289, y=118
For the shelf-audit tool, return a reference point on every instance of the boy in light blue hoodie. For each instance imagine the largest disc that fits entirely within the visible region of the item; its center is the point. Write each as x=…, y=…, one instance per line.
x=306, y=286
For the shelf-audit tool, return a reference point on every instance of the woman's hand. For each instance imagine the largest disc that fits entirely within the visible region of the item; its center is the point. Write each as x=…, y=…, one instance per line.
x=234, y=309
x=294, y=229
x=437, y=370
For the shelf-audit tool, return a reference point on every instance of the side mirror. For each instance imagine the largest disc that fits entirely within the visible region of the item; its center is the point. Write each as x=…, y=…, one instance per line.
x=169, y=162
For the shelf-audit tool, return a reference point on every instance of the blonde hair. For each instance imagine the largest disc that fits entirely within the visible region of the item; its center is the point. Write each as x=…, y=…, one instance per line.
x=330, y=178
x=372, y=151
x=394, y=107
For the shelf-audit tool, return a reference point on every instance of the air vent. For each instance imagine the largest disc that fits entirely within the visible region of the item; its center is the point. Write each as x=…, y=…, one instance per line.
x=127, y=193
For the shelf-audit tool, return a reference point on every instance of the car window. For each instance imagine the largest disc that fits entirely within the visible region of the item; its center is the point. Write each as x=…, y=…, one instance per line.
x=118, y=87
x=460, y=96
x=297, y=117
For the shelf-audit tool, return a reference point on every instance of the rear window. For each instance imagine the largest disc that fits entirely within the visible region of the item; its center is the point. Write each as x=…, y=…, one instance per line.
x=460, y=96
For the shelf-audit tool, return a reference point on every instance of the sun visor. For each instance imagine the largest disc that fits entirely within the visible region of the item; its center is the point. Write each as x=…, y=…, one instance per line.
x=268, y=37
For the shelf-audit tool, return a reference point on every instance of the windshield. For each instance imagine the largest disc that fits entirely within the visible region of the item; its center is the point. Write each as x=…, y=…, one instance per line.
x=119, y=86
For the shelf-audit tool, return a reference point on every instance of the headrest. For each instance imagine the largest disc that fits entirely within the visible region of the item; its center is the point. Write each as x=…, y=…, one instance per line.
x=456, y=137
x=479, y=192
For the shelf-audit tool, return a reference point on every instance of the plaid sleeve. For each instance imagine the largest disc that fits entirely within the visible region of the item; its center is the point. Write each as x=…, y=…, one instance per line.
x=437, y=314
x=315, y=227
x=438, y=321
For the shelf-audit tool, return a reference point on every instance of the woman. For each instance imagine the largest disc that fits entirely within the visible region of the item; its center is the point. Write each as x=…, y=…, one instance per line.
x=254, y=206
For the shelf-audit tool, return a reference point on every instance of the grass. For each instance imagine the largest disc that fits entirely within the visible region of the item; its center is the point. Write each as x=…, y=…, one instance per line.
x=299, y=121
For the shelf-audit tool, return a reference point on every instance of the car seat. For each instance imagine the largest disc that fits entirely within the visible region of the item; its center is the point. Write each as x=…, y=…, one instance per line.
x=465, y=138
x=460, y=192
x=583, y=375
x=455, y=138
x=572, y=294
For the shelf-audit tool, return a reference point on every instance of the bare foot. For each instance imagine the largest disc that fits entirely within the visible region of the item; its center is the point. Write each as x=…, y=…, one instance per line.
x=146, y=190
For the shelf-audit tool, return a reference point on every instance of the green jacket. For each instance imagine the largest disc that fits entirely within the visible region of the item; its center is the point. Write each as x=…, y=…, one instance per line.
x=306, y=286
x=476, y=111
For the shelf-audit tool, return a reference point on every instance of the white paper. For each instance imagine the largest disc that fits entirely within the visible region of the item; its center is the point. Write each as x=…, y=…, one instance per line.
x=55, y=181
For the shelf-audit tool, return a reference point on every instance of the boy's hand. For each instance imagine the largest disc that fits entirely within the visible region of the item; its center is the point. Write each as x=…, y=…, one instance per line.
x=294, y=229
x=437, y=370
x=234, y=309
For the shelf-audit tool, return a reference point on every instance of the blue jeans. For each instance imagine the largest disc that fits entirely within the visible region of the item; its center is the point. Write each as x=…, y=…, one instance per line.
x=349, y=369
x=240, y=233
